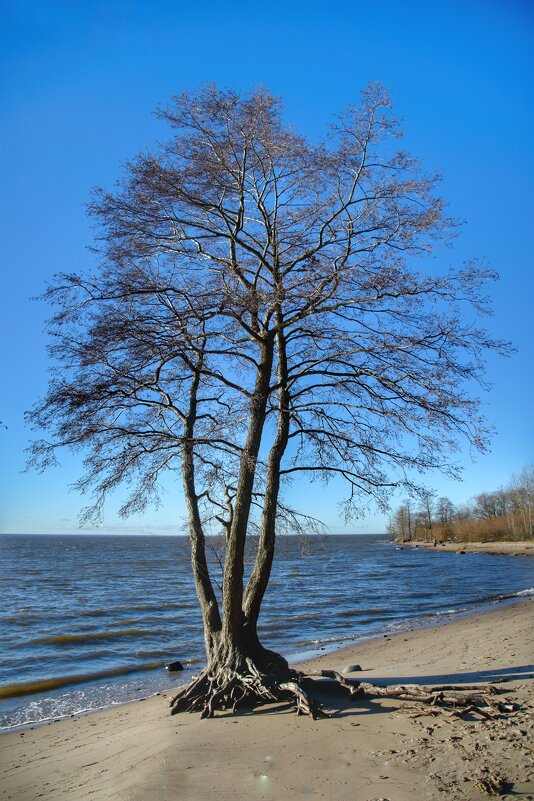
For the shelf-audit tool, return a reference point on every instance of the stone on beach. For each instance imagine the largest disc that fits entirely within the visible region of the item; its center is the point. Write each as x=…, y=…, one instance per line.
x=174, y=666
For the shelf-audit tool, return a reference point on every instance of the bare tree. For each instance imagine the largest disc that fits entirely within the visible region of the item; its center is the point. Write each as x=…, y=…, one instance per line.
x=486, y=505
x=521, y=495
x=426, y=512
x=445, y=510
x=258, y=314
x=400, y=524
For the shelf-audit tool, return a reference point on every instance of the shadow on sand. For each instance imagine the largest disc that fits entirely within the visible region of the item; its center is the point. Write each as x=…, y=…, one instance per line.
x=469, y=677
x=331, y=695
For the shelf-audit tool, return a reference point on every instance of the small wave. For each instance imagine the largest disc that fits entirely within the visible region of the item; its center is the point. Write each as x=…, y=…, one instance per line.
x=112, y=610
x=26, y=617
x=92, y=612
x=91, y=636
x=171, y=657
x=329, y=640
x=150, y=654
x=445, y=612
x=44, y=685
x=508, y=596
x=24, y=660
x=153, y=607
x=364, y=615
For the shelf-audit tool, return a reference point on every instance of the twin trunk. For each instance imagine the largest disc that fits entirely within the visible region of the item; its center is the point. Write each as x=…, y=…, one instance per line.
x=234, y=638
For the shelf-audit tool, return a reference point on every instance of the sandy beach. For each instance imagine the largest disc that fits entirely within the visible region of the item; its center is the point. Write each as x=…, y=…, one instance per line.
x=524, y=548
x=368, y=750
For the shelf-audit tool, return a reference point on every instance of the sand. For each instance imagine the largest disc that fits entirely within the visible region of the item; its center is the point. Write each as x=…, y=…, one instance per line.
x=366, y=751
x=523, y=548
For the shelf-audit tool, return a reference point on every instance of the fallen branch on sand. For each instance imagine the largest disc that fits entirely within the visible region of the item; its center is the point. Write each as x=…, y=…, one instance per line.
x=456, y=700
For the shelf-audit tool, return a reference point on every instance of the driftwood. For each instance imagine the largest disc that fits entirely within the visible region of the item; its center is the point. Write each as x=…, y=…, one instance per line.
x=456, y=700
x=491, y=784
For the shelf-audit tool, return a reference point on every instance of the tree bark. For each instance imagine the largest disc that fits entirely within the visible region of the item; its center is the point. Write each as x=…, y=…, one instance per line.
x=205, y=592
x=235, y=547
x=259, y=578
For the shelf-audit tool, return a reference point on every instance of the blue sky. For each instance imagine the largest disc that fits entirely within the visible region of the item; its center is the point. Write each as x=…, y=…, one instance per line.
x=79, y=82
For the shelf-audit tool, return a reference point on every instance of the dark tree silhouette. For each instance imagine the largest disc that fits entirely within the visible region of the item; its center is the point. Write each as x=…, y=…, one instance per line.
x=258, y=314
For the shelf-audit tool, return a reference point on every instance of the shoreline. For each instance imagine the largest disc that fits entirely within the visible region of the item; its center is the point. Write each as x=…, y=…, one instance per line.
x=502, y=548
x=303, y=657
x=104, y=641
x=136, y=751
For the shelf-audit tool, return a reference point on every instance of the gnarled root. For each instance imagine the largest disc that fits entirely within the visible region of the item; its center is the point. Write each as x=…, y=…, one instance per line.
x=226, y=688
x=222, y=688
x=455, y=700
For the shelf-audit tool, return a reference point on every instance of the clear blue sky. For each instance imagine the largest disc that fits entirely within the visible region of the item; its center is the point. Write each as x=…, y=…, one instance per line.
x=79, y=83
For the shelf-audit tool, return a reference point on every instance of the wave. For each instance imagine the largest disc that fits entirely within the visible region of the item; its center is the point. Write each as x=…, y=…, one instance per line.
x=364, y=615
x=29, y=615
x=446, y=612
x=134, y=608
x=43, y=685
x=92, y=636
x=495, y=598
x=26, y=617
x=23, y=661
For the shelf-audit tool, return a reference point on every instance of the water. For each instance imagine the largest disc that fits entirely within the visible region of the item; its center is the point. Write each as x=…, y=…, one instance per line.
x=88, y=621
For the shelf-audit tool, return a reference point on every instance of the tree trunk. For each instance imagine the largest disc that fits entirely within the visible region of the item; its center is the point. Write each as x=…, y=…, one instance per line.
x=205, y=592
x=235, y=544
x=240, y=670
x=259, y=578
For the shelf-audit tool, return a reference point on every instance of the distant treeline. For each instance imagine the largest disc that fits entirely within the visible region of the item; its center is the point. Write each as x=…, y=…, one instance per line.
x=503, y=514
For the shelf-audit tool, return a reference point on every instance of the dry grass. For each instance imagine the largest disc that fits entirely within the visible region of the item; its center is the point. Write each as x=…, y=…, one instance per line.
x=495, y=529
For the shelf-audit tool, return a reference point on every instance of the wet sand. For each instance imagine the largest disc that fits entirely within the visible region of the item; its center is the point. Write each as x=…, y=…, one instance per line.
x=368, y=750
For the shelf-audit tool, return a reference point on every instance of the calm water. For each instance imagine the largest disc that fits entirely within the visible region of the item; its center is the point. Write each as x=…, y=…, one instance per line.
x=87, y=621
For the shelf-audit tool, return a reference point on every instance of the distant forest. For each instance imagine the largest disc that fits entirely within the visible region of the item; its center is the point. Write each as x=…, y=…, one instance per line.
x=502, y=514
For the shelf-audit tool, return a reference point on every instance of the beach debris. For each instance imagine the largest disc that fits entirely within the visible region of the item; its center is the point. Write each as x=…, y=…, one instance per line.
x=173, y=667
x=491, y=783
x=453, y=700
x=353, y=687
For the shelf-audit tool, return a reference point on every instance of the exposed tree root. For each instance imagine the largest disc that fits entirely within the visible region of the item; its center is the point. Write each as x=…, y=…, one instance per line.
x=227, y=689
x=454, y=700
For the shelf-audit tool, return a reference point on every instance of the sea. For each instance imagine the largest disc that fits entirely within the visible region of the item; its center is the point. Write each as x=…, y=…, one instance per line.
x=87, y=622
